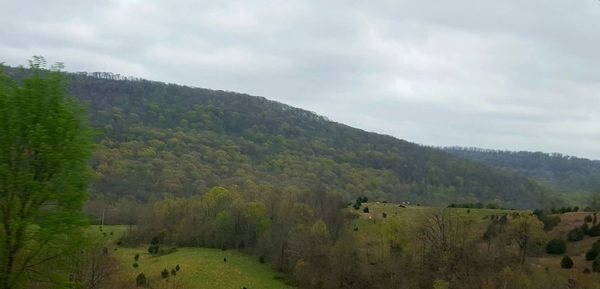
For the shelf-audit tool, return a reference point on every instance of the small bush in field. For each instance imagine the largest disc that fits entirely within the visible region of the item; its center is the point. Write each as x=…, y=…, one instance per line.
x=140, y=280
x=135, y=265
x=566, y=262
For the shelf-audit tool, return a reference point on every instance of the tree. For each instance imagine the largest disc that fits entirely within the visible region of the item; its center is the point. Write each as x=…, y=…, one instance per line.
x=556, y=247
x=566, y=262
x=45, y=145
x=525, y=230
x=140, y=280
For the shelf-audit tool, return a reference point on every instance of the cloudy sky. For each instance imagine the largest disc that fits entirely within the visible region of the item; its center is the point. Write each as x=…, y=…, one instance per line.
x=517, y=74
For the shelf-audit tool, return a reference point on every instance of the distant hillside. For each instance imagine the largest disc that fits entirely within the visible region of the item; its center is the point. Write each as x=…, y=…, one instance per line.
x=564, y=173
x=159, y=138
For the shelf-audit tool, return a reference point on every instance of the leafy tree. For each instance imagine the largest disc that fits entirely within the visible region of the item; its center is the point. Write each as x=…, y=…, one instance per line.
x=45, y=145
x=556, y=247
x=566, y=262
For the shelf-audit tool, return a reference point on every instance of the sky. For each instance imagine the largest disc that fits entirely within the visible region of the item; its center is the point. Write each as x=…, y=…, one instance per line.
x=512, y=75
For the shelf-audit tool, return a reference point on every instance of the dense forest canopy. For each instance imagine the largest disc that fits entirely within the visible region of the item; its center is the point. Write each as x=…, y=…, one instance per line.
x=562, y=172
x=157, y=138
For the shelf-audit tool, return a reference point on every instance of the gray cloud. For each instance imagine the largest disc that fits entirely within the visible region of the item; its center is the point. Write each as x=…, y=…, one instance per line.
x=496, y=74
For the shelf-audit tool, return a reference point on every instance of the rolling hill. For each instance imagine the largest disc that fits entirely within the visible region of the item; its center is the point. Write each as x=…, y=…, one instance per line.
x=157, y=138
x=562, y=172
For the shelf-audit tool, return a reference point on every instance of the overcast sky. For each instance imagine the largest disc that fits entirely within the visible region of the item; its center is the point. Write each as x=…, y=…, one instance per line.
x=518, y=75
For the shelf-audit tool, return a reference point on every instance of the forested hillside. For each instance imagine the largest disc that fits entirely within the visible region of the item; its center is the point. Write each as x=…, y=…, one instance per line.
x=564, y=173
x=156, y=138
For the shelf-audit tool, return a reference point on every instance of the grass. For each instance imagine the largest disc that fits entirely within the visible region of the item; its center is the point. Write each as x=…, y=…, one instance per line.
x=200, y=267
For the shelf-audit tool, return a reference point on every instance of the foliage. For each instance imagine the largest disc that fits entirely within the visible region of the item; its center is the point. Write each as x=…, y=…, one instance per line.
x=162, y=138
x=141, y=280
x=576, y=234
x=556, y=247
x=566, y=262
x=45, y=145
x=565, y=173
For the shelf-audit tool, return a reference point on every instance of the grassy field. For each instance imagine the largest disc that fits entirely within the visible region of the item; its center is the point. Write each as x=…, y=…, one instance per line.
x=200, y=267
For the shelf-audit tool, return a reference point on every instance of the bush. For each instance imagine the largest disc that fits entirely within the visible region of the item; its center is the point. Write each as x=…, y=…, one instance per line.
x=177, y=267
x=384, y=215
x=587, y=219
x=153, y=249
x=585, y=228
x=596, y=265
x=366, y=209
x=164, y=274
x=594, y=231
x=135, y=265
x=566, y=262
x=556, y=247
x=575, y=235
x=173, y=272
x=591, y=254
x=137, y=257
x=261, y=259
x=140, y=280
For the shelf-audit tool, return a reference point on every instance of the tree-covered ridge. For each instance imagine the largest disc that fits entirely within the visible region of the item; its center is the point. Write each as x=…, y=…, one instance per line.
x=563, y=172
x=161, y=138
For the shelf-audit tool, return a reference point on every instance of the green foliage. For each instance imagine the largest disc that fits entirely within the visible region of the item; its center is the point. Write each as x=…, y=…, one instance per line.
x=164, y=274
x=587, y=219
x=594, y=231
x=135, y=265
x=556, y=247
x=596, y=265
x=366, y=209
x=566, y=262
x=162, y=138
x=141, y=280
x=576, y=234
x=45, y=145
x=562, y=172
x=591, y=254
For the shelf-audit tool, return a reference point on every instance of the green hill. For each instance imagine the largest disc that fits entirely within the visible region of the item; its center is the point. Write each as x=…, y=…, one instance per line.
x=158, y=138
x=562, y=172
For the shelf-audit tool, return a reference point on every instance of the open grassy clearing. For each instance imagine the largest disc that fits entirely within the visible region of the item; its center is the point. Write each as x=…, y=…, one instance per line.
x=200, y=267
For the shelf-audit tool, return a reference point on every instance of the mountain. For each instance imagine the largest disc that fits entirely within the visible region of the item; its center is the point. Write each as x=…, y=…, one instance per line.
x=562, y=172
x=157, y=138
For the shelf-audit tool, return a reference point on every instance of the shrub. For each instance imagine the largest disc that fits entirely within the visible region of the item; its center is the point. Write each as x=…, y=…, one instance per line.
x=587, y=271
x=140, y=280
x=366, y=209
x=591, y=254
x=384, y=215
x=556, y=247
x=575, y=235
x=594, y=231
x=261, y=259
x=153, y=249
x=173, y=272
x=596, y=265
x=137, y=257
x=566, y=262
x=585, y=228
x=135, y=265
x=587, y=219
x=164, y=274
